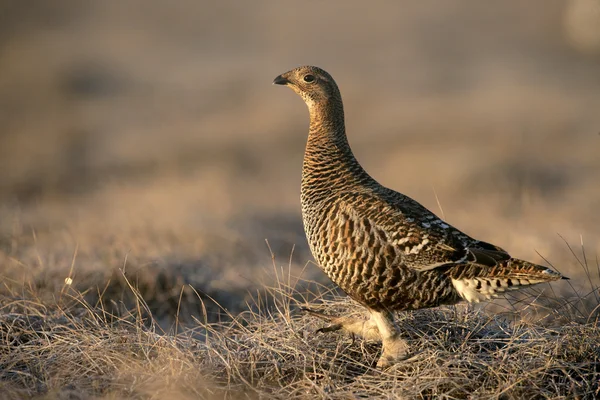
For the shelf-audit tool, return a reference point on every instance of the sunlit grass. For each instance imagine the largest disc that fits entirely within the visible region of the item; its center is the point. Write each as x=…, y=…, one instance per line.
x=542, y=344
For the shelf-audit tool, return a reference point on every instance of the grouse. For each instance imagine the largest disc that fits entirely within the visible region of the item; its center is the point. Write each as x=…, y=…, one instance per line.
x=384, y=249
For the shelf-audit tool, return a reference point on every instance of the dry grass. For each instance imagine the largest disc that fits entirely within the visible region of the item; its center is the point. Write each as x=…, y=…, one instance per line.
x=68, y=348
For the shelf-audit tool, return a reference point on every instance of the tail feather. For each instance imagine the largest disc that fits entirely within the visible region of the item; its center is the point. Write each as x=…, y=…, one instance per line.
x=486, y=283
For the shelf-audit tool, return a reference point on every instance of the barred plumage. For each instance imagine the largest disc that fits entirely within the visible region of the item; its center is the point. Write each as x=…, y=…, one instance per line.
x=384, y=249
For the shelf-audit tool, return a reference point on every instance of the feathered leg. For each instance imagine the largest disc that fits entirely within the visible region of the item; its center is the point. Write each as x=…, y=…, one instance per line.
x=367, y=329
x=380, y=327
x=394, y=347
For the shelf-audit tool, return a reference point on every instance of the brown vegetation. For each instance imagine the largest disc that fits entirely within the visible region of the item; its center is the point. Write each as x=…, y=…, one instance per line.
x=68, y=348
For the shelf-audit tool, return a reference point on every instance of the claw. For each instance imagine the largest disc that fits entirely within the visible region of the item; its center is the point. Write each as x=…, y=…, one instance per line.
x=328, y=318
x=330, y=328
x=319, y=314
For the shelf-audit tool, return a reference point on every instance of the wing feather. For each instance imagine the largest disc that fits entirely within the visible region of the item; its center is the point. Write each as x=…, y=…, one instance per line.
x=424, y=240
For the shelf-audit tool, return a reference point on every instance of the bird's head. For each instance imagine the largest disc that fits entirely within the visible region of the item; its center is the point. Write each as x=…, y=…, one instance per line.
x=316, y=87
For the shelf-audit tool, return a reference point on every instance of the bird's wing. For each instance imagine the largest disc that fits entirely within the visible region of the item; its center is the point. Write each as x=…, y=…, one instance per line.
x=423, y=240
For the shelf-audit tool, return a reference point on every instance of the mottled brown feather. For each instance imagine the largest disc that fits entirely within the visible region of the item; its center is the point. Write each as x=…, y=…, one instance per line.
x=381, y=247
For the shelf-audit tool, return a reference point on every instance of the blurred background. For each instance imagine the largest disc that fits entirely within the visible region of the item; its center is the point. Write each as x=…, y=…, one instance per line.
x=146, y=136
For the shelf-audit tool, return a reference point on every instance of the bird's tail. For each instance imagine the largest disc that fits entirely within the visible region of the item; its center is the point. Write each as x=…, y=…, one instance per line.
x=512, y=274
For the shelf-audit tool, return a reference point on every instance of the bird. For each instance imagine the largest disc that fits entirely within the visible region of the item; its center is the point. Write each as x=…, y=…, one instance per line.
x=382, y=248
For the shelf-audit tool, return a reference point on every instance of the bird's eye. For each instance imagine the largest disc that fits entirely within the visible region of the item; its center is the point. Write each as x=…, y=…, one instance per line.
x=309, y=78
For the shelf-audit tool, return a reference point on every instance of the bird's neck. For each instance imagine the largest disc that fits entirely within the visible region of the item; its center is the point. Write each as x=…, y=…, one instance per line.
x=327, y=133
x=329, y=163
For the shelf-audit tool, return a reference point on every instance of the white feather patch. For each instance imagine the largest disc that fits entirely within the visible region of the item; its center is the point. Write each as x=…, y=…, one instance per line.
x=466, y=288
x=479, y=289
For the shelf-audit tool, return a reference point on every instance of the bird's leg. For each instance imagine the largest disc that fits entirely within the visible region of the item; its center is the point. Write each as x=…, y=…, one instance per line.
x=394, y=347
x=366, y=329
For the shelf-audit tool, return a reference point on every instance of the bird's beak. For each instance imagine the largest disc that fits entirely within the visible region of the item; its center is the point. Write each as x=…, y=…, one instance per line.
x=280, y=80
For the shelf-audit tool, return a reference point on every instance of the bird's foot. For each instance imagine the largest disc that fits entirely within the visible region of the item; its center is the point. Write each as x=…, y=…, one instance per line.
x=394, y=350
x=380, y=327
x=364, y=328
